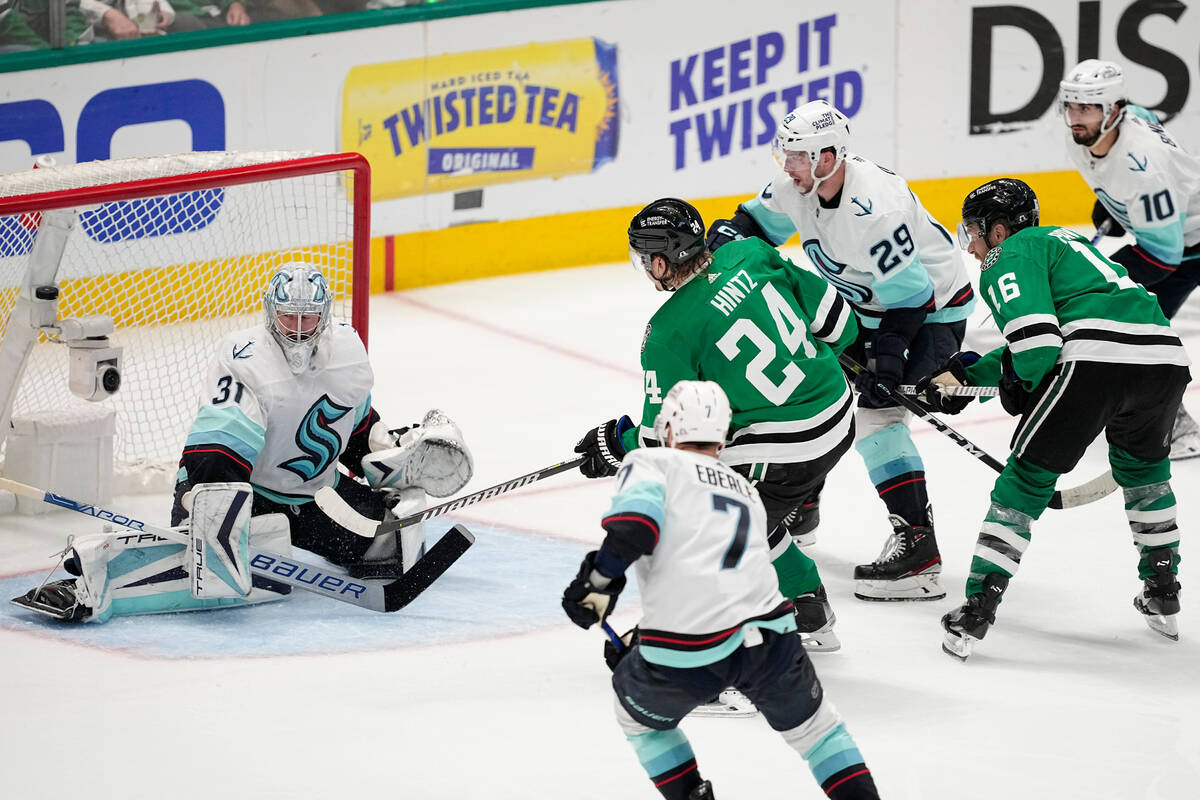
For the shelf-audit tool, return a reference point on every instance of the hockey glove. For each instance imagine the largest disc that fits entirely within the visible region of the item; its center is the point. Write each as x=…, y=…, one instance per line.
x=1013, y=394
x=591, y=597
x=888, y=352
x=602, y=449
x=952, y=372
x=1100, y=214
x=721, y=232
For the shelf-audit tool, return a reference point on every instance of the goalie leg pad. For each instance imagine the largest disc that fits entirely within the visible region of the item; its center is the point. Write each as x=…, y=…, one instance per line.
x=131, y=572
x=219, y=527
x=431, y=455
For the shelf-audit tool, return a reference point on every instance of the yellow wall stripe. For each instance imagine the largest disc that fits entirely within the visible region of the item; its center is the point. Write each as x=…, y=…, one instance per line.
x=489, y=249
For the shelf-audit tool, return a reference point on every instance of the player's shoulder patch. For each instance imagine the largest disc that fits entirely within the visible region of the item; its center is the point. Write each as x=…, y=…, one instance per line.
x=646, y=337
x=992, y=256
x=243, y=350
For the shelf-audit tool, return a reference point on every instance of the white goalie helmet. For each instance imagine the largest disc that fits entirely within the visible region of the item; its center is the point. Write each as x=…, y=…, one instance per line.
x=1097, y=83
x=696, y=411
x=811, y=128
x=298, y=306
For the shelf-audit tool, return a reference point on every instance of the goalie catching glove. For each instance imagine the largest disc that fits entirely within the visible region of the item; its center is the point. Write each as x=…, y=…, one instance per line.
x=591, y=597
x=430, y=455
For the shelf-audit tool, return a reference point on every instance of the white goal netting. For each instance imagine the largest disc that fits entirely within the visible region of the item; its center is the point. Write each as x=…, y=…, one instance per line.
x=180, y=258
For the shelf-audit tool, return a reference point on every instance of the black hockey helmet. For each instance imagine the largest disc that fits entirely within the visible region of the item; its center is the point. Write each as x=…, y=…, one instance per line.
x=669, y=228
x=1006, y=200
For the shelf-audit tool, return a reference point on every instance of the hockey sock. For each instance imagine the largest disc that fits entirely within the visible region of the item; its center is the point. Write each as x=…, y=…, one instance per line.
x=839, y=767
x=797, y=573
x=668, y=759
x=1003, y=538
x=1151, y=513
x=897, y=471
x=1149, y=507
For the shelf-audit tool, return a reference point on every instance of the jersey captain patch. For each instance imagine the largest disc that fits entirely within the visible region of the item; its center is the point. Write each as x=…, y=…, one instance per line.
x=992, y=256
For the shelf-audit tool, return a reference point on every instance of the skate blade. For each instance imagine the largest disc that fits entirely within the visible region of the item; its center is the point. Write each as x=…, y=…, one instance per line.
x=1166, y=626
x=1183, y=453
x=915, y=587
x=53, y=612
x=957, y=646
x=820, y=641
x=730, y=703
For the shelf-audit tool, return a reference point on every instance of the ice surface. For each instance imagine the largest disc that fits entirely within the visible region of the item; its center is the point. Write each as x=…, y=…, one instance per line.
x=482, y=689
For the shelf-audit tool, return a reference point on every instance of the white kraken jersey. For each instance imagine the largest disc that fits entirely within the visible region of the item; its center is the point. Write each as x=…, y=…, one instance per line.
x=289, y=428
x=879, y=248
x=710, y=573
x=1148, y=184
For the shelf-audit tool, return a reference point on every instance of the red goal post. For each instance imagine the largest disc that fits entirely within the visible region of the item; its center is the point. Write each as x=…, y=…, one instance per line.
x=175, y=251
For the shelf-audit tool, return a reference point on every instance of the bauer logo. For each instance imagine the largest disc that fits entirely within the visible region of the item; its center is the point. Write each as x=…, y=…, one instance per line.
x=466, y=120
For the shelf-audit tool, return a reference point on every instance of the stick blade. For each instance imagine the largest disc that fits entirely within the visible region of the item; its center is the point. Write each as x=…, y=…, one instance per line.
x=1096, y=489
x=428, y=569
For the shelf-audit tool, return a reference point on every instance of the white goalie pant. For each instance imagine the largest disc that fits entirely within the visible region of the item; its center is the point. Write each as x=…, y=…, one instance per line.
x=129, y=572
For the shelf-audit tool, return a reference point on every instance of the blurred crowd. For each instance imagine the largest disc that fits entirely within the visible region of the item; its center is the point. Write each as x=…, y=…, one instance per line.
x=36, y=24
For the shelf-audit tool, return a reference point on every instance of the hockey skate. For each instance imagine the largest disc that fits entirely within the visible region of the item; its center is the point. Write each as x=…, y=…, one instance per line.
x=55, y=599
x=1185, y=436
x=814, y=621
x=729, y=703
x=1159, y=599
x=702, y=792
x=969, y=623
x=907, y=569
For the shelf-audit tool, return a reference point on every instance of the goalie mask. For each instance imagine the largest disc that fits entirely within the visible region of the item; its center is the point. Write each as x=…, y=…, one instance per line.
x=811, y=128
x=1005, y=200
x=672, y=229
x=298, y=305
x=696, y=411
x=1097, y=83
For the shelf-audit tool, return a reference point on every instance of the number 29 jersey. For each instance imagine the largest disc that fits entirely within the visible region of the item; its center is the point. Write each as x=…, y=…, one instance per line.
x=879, y=246
x=709, y=575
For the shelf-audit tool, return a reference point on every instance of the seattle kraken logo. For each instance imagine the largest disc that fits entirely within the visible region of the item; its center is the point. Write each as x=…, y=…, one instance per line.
x=317, y=440
x=831, y=271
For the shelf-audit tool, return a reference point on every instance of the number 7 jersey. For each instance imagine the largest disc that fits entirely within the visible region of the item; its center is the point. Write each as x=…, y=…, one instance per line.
x=769, y=334
x=709, y=575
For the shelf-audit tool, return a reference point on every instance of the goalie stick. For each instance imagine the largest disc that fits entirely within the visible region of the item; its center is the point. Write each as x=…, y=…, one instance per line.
x=374, y=596
x=1097, y=488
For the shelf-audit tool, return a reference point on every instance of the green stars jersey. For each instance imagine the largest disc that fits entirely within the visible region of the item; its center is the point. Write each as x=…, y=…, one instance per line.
x=1056, y=299
x=769, y=333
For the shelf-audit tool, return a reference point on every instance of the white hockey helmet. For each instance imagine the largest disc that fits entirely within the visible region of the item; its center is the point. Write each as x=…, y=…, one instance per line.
x=696, y=411
x=298, y=306
x=811, y=128
x=1096, y=83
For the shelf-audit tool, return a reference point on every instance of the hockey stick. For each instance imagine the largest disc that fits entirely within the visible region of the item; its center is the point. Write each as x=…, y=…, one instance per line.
x=384, y=597
x=1095, y=489
x=471, y=499
x=956, y=391
x=1102, y=230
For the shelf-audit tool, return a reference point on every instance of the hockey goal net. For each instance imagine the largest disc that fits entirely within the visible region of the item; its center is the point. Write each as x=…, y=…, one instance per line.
x=176, y=251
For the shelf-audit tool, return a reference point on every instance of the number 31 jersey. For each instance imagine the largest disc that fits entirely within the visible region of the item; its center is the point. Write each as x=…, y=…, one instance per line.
x=287, y=429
